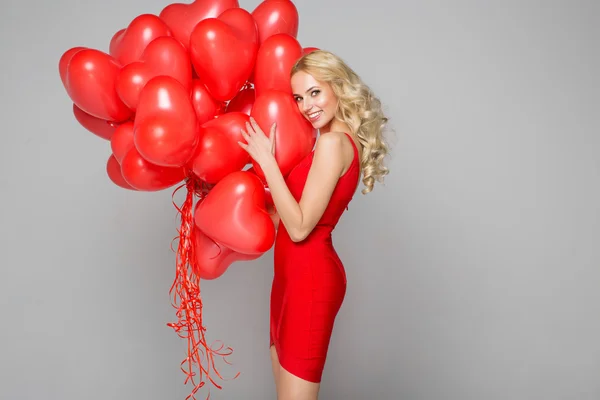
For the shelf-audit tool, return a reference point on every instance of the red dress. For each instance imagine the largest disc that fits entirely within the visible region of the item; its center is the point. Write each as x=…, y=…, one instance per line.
x=309, y=282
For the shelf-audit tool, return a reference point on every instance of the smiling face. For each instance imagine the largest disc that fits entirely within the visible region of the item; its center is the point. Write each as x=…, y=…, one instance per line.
x=315, y=99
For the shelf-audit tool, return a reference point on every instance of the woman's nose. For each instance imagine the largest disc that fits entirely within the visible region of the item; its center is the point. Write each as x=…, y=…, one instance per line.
x=307, y=105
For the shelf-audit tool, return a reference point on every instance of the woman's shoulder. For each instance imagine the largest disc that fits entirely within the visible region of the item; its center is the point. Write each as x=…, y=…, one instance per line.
x=334, y=138
x=338, y=147
x=343, y=141
x=332, y=143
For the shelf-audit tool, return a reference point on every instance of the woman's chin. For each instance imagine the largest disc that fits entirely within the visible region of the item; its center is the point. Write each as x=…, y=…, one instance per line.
x=319, y=124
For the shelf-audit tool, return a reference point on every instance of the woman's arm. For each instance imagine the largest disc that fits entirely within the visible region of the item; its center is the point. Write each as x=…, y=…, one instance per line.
x=300, y=218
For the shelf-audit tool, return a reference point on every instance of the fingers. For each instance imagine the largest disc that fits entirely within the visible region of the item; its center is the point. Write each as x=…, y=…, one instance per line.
x=249, y=129
x=255, y=125
x=245, y=135
x=272, y=137
x=256, y=140
x=272, y=133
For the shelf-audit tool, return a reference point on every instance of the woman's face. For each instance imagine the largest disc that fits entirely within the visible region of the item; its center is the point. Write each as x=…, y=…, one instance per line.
x=315, y=99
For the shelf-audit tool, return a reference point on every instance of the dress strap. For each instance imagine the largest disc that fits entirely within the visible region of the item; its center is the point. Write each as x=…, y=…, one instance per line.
x=356, y=154
x=355, y=160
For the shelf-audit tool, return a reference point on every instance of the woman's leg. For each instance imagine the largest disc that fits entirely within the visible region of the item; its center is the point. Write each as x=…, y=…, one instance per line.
x=276, y=367
x=293, y=388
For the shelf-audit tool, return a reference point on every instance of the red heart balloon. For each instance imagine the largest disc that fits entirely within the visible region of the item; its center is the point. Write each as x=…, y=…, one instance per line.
x=276, y=16
x=64, y=61
x=145, y=176
x=213, y=259
x=182, y=18
x=115, y=41
x=274, y=61
x=218, y=153
x=268, y=196
x=165, y=127
x=163, y=56
x=308, y=50
x=113, y=170
x=122, y=140
x=90, y=83
x=295, y=136
x=242, y=22
x=99, y=127
x=205, y=106
x=129, y=44
x=223, y=51
x=243, y=101
x=234, y=214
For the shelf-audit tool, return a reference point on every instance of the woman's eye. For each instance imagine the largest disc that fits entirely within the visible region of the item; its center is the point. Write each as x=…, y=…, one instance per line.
x=315, y=92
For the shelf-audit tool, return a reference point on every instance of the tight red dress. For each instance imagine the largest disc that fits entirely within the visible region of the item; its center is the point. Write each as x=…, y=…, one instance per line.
x=309, y=281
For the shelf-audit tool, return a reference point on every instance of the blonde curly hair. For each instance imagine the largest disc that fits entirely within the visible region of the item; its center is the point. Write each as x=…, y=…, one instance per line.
x=358, y=108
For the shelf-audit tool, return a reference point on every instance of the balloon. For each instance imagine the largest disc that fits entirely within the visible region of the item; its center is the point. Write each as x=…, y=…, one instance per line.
x=274, y=61
x=218, y=152
x=163, y=56
x=64, y=61
x=115, y=41
x=90, y=83
x=99, y=127
x=234, y=214
x=212, y=258
x=122, y=140
x=308, y=50
x=182, y=18
x=268, y=196
x=143, y=175
x=129, y=44
x=165, y=127
x=223, y=51
x=205, y=106
x=273, y=17
x=253, y=170
x=113, y=170
x=243, y=101
x=295, y=136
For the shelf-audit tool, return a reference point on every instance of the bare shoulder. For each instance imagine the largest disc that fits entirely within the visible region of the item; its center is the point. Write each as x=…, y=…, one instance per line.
x=336, y=148
x=334, y=141
x=329, y=145
x=329, y=139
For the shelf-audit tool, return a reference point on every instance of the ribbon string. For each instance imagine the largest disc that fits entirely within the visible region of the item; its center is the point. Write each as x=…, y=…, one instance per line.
x=186, y=297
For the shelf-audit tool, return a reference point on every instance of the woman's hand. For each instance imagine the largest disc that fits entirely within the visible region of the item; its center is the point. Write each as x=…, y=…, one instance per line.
x=260, y=147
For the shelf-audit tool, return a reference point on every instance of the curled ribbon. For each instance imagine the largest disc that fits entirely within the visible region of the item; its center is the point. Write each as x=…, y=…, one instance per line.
x=186, y=298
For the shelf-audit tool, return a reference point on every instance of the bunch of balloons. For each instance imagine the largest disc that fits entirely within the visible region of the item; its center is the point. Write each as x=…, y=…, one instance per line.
x=172, y=95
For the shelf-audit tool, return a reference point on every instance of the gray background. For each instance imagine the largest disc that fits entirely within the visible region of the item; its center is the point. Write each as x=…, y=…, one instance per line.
x=473, y=273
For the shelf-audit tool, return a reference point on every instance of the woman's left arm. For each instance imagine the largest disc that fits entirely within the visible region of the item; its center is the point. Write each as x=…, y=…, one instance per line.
x=299, y=218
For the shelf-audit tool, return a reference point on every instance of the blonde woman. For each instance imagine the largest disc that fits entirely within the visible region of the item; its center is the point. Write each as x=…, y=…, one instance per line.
x=309, y=282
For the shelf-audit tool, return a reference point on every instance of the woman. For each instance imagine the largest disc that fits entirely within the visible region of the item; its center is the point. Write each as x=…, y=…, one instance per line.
x=309, y=282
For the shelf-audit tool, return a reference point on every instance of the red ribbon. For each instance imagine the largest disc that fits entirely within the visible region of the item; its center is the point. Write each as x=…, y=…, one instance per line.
x=187, y=299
